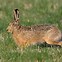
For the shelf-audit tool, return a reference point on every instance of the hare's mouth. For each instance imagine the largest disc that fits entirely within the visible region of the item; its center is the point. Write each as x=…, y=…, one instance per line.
x=9, y=31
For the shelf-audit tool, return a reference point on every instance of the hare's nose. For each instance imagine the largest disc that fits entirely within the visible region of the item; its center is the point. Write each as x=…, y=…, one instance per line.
x=6, y=29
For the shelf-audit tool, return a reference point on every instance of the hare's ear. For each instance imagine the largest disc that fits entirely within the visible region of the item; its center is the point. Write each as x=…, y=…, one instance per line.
x=16, y=15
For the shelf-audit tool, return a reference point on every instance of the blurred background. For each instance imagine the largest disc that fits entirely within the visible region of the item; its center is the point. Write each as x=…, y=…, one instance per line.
x=31, y=12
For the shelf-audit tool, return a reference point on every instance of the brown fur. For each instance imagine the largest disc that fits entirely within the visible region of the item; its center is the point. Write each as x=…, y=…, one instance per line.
x=28, y=35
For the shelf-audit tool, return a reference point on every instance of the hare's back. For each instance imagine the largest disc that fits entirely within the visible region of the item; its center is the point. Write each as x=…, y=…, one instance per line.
x=37, y=28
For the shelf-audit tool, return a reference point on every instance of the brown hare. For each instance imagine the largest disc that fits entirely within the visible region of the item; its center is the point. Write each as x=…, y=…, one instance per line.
x=28, y=35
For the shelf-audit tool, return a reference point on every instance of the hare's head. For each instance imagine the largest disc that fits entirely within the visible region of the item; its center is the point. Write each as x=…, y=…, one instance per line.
x=12, y=26
x=15, y=22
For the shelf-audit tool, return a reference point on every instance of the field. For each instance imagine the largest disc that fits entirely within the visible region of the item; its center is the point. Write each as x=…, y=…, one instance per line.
x=31, y=12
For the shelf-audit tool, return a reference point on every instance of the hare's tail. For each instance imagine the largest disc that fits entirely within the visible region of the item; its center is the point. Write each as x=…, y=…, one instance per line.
x=16, y=15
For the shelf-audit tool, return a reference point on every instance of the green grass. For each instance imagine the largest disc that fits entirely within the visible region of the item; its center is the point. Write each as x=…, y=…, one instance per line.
x=36, y=12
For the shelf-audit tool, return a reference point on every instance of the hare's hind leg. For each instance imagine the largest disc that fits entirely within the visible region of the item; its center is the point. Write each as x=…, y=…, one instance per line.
x=49, y=41
x=53, y=36
x=54, y=42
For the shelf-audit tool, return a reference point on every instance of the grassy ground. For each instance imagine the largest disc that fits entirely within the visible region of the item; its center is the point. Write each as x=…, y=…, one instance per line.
x=36, y=12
